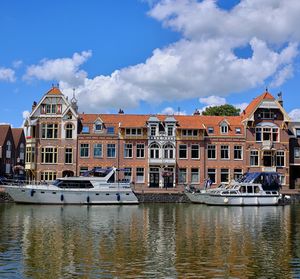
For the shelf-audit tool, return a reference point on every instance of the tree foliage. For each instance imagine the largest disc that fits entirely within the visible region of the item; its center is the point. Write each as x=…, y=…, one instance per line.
x=223, y=110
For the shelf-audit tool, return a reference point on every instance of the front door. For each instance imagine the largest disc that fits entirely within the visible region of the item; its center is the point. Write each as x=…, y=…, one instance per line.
x=154, y=179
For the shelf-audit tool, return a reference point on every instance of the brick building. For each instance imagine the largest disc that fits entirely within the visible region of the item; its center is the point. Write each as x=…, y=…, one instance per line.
x=162, y=150
x=12, y=151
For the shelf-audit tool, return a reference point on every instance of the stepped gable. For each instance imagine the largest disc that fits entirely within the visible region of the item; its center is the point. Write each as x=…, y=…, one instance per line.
x=255, y=103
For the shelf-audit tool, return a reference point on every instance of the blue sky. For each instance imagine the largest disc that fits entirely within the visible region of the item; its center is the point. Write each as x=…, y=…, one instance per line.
x=148, y=56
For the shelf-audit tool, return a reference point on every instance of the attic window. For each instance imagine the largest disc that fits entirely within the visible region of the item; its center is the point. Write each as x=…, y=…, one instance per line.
x=224, y=128
x=98, y=126
x=210, y=130
x=238, y=130
x=85, y=129
x=110, y=130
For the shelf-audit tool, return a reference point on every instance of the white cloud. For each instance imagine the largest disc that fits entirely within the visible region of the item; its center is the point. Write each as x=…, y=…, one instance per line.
x=7, y=74
x=25, y=115
x=213, y=101
x=61, y=69
x=295, y=114
x=202, y=63
x=172, y=111
x=241, y=106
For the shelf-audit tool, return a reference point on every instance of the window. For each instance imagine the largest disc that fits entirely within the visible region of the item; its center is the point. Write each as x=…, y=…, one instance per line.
x=83, y=170
x=68, y=155
x=140, y=150
x=280, y=158
x=140, y=177
x=49, y=131
x=189, y=133
x=297, y=152
x=30, y=154
x=128, y=174
x=224, y=128
x=48, y=175
x=49, y=155
x=253, y=158
x=170, y=130
x=210, y=130
x=238, y=152
x=98, y=126
x=298, y=132
x=282, y=179
x=238, y=130
x=212, y=174
x=267, y=134
x=7, y=168
x=224, y=175
x=154, y=151
x=22, y=151
x=237, y=173
x=195, y=151
x=182, y=151
x=133, y=132
x=69, y=131
x=110, y=130
x=8, y=149
x=224, y=152
x=211, y=151
x=85, y=129
x=195, y=175
x=84, y=150
x=98, y=150
x=182, y=176
x=111, y=150
x=169, y=151
x=127, y=150
x=51, y=108
x=152, y=130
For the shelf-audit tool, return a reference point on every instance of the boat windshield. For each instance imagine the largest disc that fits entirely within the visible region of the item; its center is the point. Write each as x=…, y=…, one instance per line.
x=73, y=184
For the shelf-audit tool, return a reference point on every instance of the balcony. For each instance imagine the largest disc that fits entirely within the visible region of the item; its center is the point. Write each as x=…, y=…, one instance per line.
x=267, y=145
x=29, y=166
x=30, y=141
x=162, y=161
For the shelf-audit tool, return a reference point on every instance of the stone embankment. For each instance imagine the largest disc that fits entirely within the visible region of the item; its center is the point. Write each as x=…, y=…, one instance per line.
x=4, y=197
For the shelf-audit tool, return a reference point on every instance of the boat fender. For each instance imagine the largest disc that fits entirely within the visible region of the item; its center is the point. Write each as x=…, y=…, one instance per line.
x=226, y=200
x=88, y=199
x=118, y=197
x=62, y=197
x=32, y=192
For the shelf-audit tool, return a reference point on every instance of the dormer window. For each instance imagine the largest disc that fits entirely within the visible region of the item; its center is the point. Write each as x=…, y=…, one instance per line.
x=152, y=130
x=189, y=133
x=98, y=126
x=238, y=130
x=224, y=128
x=170, y=130
x=51, y=108
x=85, y=129
x=210, y=130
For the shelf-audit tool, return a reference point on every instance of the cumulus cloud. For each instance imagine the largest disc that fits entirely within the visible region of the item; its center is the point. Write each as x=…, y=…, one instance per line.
x=64, y=69
x=172, y=111
x=17, y=64
x=7, y=74
x=295, y=114
x=202, y=63
x=213, y=101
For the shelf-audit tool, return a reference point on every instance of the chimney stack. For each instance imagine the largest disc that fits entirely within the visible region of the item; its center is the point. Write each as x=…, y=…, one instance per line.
x=280, y=101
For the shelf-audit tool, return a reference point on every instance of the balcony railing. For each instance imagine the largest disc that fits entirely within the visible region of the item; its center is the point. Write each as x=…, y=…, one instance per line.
x=162, y=161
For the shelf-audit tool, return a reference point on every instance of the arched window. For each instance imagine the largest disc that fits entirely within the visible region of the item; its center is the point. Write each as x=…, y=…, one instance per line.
x=8, y=146
x=154, y=151
x=169, y=151
x=69, y=131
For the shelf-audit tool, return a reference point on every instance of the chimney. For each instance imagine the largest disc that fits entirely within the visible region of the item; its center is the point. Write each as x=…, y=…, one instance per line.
x=33, y=105
x=280, y=101
x=121, y=111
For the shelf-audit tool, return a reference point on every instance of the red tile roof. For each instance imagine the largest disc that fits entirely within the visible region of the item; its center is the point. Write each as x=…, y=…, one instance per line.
x=54, y=91
x=255, y=102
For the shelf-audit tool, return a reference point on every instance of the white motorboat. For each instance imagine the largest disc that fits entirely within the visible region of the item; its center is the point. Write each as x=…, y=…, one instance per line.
x=98, y=186
x=258, y=188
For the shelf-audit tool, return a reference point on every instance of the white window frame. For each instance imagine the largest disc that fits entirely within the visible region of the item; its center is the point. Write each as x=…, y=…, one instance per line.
x=82, y=148
x=225, y=149
x=239, y=150
x=128, y=150
x=180, y=149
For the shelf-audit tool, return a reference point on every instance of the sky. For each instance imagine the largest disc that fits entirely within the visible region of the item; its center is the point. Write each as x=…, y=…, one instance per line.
x=148, y=56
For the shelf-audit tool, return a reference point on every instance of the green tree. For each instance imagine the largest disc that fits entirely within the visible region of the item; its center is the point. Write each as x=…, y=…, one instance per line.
x=223, y=110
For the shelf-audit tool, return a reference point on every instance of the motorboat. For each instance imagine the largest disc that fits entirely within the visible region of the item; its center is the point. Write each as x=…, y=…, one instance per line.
x=98, y=186
x=256, y=188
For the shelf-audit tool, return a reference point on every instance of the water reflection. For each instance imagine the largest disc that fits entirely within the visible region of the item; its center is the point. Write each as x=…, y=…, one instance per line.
x=149, y=241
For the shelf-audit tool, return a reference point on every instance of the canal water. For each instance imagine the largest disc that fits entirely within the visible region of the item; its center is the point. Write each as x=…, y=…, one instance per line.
x=149, y=241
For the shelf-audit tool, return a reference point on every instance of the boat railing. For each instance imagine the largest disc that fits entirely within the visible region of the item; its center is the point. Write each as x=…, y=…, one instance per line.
x=15, y=182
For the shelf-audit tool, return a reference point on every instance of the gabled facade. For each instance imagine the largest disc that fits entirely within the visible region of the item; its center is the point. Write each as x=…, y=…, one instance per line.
x=161, y=150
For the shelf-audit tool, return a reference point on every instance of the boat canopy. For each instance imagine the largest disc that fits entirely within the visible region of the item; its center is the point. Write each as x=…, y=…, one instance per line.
x=268, y=180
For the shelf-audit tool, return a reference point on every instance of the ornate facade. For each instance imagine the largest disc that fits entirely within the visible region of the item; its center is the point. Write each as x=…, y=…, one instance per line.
x=162, y=150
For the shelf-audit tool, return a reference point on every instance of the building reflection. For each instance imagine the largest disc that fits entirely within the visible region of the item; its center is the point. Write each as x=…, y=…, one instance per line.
x=159, y=240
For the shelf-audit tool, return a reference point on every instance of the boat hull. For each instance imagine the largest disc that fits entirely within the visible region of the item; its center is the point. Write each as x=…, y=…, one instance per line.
x=35, y=195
